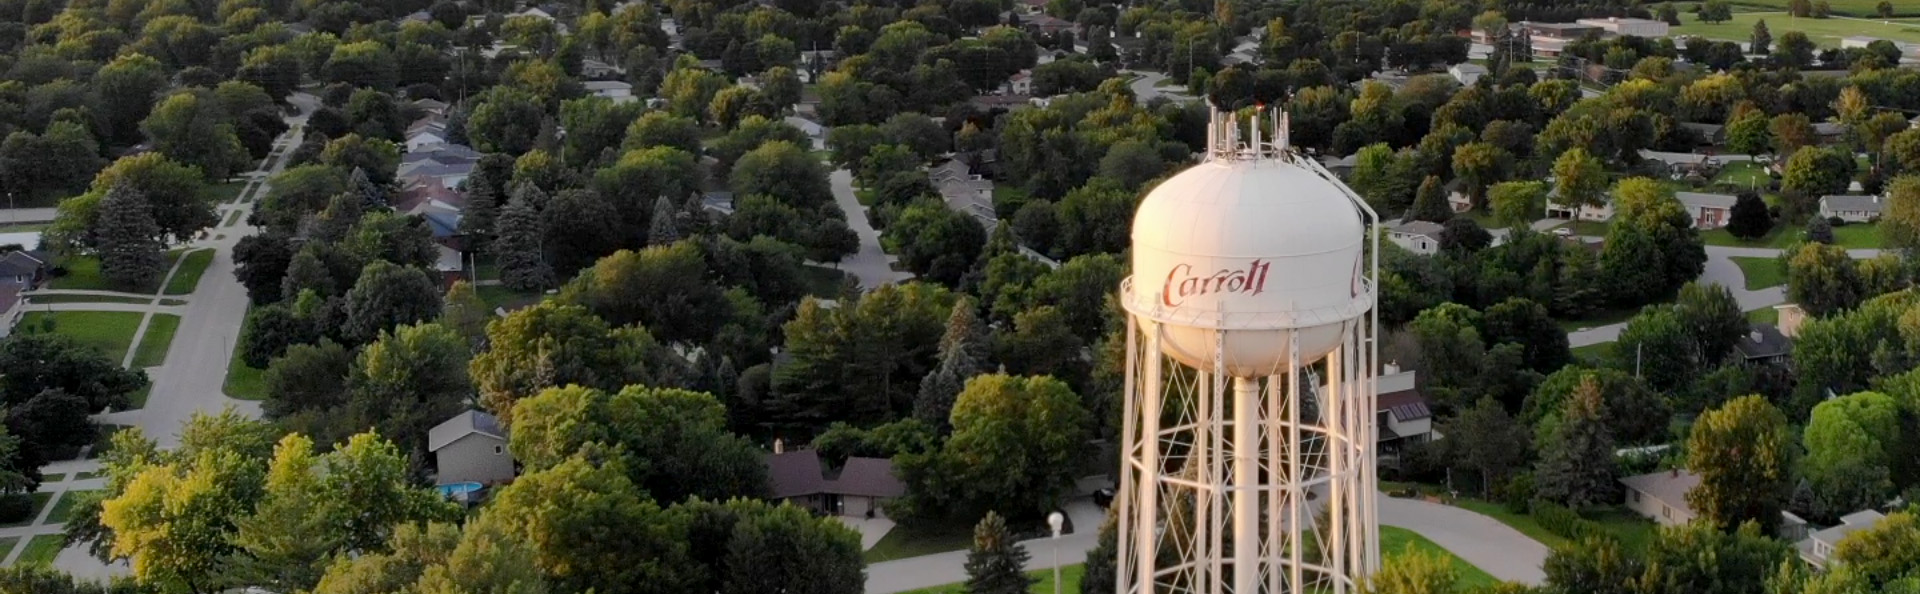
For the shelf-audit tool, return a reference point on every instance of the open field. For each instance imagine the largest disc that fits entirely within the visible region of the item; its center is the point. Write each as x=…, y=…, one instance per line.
x=109, y=331
x=1858, y=8
x=1823, y=32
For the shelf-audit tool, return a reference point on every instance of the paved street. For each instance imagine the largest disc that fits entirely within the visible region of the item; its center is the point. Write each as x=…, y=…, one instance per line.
x=870, y=264
x=1719, y=269
x=193, y=378
x=1144, y=88
x=950, y=567
x=26, y=215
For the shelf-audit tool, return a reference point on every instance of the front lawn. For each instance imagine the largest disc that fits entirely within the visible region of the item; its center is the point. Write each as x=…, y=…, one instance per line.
x=83, y=274
x=187, y=277
x=109, y=331
x=1764, y=315
x=1761, y=273
x=40, y=299
x=153, y=346
x=42, y=550
x=1743, y=174
x=1858, y=236
x=1593, y=353
x=1779, y=238
x=64, y=507
x=497, y=296
x=1589, y=228
x=225, y=192
x=1600, y=318
x=39, y=503
x=1632, y=530
x=243, y=382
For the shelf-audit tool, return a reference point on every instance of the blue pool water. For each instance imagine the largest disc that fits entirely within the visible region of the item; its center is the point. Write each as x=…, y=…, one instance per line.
x=459, y=489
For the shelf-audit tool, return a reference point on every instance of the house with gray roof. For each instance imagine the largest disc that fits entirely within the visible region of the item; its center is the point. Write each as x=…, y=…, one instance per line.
x=859, y=488
x=1852, y=208
x=1662, y=496
x=1420, y=237
x=1764, y=344
x=1817, y=548
x=1708, y=211
x=471, y=447
x=1402, y=410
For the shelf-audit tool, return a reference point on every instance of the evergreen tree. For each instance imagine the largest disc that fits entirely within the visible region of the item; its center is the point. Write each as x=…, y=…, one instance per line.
x=664, y=229
x=693, y=217
x=1577, y=467
x=128, y=239
x=996, y=564
x=1430, y=202
x=517, y=247
x=1101, y=559
x=1762, y=38
x=963, y=351
x=372, y=196
x=1749, y=218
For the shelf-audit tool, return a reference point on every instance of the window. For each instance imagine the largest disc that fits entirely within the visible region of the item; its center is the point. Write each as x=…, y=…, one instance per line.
x=1666, y=512
x=1636, y=496
x=498, y=449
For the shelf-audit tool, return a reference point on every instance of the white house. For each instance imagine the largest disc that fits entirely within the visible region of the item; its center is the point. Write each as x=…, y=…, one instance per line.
x=426, y=131
x=620, y=92
x=471, y=447
x=1021, y=83
x=1852, y=209
x=1467, y=72
x=1662, y=496
x=1420, y=237
x=1404, y=417
x=814, y=131
x=1629, y=27
x=1817, y=548
x=1709, y=211
x=1601, y=213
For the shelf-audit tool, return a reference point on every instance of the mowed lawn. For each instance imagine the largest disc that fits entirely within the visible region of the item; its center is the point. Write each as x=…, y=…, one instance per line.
x=109, y=331
x=1761, y=273
x=83, y=273
x=42, y=550
x=154, y=344
x=1858, y=8
x=1826, y=33
x=192, y=267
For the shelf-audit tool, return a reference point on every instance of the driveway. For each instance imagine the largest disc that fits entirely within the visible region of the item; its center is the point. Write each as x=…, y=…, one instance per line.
x=194, y=376
x=871, y=265
x=1145, y=87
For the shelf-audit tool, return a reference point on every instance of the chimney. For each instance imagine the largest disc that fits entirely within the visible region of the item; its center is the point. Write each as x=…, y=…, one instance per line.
x=1392, y=367
x=1755, y=335
x=779, y=446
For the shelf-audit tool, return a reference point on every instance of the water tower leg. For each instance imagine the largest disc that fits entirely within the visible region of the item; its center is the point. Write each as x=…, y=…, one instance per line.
x=1246, y=482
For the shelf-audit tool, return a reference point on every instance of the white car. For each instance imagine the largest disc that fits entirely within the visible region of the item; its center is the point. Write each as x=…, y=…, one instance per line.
x=1563, y=231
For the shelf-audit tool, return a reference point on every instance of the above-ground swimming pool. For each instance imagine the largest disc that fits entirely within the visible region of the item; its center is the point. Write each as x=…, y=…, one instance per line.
x=460, y=490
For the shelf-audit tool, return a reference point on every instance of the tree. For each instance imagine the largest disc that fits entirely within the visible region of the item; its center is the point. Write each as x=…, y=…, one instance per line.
x=1480, y=165
x=1762, y=40
x=1823, y=279
x=1749, y=218
x=674, y=442
x=996, y=564
x=505, y=119
x=387, y=295
x=1813, y=172
x=1517, y=203
x=1850, y=444
x=1579, y=179
x=592, y=530
x=129, y=243
x=936, y=242
x=123, y=92
x=784, y=171
x=1716, y=11
x=550, y=344
x=1576, y=465
x=1741, y=453
x=1657, y=345
x=175, y=522
x=1900, y=226
x=1790, y=132
x=1750, y=134
x=1488, y=441
x=174, y=194
x=407, y=381
x=1794, y=50
x=1002, y=423
x=192, y=128
x=517, y=245
x=1430, y=202
x=1413, y=571
x=962, y=355
x=662, y=288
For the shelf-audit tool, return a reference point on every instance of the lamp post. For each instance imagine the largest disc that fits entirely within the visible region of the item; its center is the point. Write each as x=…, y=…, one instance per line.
x=1055, y=519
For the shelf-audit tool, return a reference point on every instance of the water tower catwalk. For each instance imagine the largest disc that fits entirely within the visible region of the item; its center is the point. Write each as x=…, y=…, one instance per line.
x=1249, y=458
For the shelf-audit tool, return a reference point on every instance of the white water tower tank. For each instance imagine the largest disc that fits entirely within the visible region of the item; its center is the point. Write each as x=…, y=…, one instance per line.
x=1250, y=244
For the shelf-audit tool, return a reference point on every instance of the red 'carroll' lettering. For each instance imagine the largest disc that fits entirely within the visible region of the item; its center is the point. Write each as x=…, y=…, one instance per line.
x=1181, y=283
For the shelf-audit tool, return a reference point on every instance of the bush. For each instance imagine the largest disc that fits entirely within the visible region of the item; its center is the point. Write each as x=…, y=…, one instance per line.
x=1564, y=522
x=1517, y=493
x=16, y=508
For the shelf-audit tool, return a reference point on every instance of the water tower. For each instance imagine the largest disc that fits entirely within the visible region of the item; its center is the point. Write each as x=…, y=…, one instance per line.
x=1249, y=418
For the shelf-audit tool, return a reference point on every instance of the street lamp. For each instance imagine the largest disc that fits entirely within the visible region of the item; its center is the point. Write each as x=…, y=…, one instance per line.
x=1055, y=519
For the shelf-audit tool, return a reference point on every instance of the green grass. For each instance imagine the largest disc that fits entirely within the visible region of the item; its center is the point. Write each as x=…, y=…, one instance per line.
x=502, y=297
x=192, y=267
x=109, y=331
x=88, y=475
x=1632, y=530
x=138, y=398
x=1593, y=353
x=1004, y=193
x=913, y=540
x=83, y=273
x=1858, y=8
x=53, y=477
x=1742, y=174
x=42, y=549
x=173, y=302
x=1589, y=228
x=243, y=382
x=232, y=219
x=226, y=192
x=1069, y=582
x=23, y=227
x=102, y=443
x=153, y=346
x=1761, y=273
x=7, y=543
x=1779, y=238
x=823, y=282
x=1764, y=315
x=40, y=299
x=39, y=503
x=1824, y=32
x=1857, y=236
x=64, y=507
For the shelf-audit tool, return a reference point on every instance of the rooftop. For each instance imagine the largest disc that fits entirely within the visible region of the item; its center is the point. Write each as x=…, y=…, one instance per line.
x=1700, y=200
x=798, y=473
x=1669, y=487
x=1426, y=228
x=1845, y=203
x=462, y=425
x=1763, y=341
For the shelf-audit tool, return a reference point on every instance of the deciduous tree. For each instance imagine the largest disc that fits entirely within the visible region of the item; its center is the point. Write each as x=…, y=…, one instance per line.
x=1742, y=454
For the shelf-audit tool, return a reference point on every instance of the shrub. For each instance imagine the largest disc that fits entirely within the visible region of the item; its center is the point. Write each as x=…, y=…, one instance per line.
x=16, y=508
x=1565, y=523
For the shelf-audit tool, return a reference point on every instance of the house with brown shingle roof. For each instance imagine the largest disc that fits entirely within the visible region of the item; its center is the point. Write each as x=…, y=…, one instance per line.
x=860, y=487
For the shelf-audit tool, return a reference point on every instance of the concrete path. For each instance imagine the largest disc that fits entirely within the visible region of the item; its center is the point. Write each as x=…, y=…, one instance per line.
x=127, y=307
x=57, y=490
x=194, y=376
x=871, y=265
x=1496, y=548
x=10, y=216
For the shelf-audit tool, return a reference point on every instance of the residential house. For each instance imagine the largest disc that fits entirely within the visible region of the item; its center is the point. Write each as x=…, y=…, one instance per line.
x=1829, y=132
x=618, y=91
x=964, y=191
x=421, y=196
x=418, y=16
x=1457, y=198
x=717, y=201
x=1709, y=134
x=426, y=131
x=442, y=153
x=814, y=131
x=471, y=447
x=450, y=245
x=23, y=269
x=1402, y=411
x=1047, y=24
x=12, y=308
x=859, y=488
x=1021, y=83
x=1033, y=6
x=1817, y=548
x=451, y=175
x=1629, y=27
x=1420, y=237
x=1467, y=72
x=1852, y=208
x=1764, y=344
x=534, y=11
x=431, y=107
x=592, y=68
x=1584, y=212
x=1662, y=496
x=1708, y=211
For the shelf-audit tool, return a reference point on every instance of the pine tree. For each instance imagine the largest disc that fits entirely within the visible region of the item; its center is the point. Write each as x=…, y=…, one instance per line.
x=517, y=247
x=664, y=230
x=693, y=216
x=1101, y=559
x=996, y=564
x=1749, y=218
x=1577, y=468
x=128, y=239
x=372, y=196
x=1762, y=38
x=963, y=354
x=1430, y=203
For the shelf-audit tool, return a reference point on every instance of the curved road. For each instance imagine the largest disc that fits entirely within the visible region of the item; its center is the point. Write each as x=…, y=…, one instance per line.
x=1721, y=270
